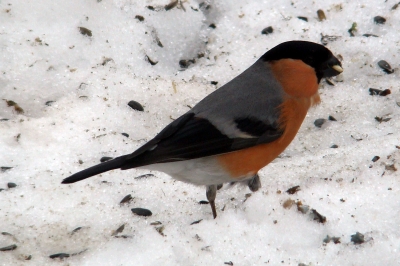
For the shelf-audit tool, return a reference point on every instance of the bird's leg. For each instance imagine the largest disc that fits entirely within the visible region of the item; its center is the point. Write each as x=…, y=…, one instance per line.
x=211, y=193
x=254, y=183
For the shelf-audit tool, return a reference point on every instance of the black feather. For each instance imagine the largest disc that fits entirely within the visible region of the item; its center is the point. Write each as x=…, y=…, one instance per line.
x=254, y=126
x=196, y=138
x=95, y=170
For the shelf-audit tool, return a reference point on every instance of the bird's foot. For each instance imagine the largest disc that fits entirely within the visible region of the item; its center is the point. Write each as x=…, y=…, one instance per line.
x=254, y=183
x=211, y=194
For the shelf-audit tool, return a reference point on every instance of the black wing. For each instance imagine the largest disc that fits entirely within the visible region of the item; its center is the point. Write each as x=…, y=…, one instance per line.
x=193, y=136
x=190, y=137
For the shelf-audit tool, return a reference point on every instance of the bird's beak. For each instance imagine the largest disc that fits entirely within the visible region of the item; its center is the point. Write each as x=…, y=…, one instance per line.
x=337, y=68
x=332, y=67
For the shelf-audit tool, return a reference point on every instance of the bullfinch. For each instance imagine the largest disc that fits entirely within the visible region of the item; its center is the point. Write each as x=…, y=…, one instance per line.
x=239, y=128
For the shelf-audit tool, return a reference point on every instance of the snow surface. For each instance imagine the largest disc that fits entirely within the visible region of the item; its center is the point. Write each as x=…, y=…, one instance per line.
x=90, y=80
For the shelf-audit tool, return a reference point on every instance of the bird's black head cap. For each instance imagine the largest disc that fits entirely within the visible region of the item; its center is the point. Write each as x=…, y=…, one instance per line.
x=315, y=55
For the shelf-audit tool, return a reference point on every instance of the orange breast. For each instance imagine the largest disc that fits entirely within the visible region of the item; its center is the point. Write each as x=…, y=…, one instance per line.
x=297, y=78
x=301, y=92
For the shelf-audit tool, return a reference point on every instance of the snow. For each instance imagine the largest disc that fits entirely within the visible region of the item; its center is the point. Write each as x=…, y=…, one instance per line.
x=90, y=80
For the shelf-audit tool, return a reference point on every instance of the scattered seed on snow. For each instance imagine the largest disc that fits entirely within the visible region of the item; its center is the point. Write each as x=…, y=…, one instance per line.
x=136, y=106
x=370, y=35
x=385, y=67
x=302, y=208
x=200, y=55
x=11, y=185
x=376, y=158
x=373, y=91
x=293, y=190
x=331, y=118
x=303, y=18
x=59, y=256
x=17, y=108
x=379, y=20
x=82, y=86
x=334, y=239
x=8, y=248
x=171, y=5
x=141, y=212
x=105, y=159
x=139, y=17
x=160, y=230
x=144, y=176
x=106, y=60
x=319, y=122
x=85, y=31
x=119, y=230
x=357, y=238
x=325, y=39
x=186, y=63
x=204, y=6
x=321, y=15
x=381, y=119
x=196, y=222
x=76, y=230
x=390, y=167
x=247, y=195
x=152, y=62
x=123, y=236
x=353, y=29
x=287, y=204
x=5, y=168
x=206, y=248
x=128, y=198
x=316, y=216
x=267, y=30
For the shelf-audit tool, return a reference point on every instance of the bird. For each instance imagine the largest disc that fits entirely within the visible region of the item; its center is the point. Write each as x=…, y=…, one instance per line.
x=240, y=127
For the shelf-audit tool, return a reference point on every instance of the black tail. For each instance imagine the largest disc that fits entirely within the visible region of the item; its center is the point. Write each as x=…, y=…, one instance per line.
x=95, y=170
